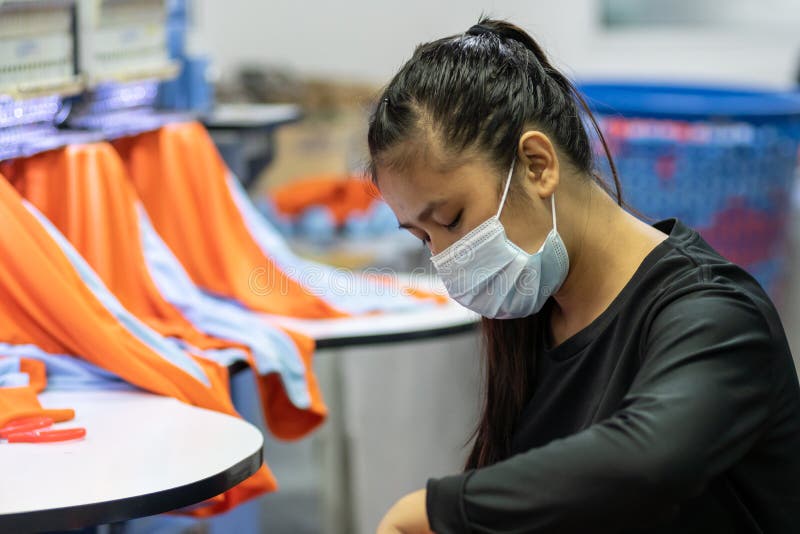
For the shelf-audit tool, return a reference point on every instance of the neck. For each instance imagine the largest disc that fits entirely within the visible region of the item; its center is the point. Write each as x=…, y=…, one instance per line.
x=609, y=245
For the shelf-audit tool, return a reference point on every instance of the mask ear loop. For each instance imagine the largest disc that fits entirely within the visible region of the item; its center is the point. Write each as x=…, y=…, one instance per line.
x=508, y=183
x=505, y=195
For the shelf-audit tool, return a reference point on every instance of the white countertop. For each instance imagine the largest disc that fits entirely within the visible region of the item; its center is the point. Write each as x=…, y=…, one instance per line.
x=425, y=322
x=136, y=444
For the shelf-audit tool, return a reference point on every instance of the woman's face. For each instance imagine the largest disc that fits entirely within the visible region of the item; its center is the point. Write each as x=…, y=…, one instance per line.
x=439, y=207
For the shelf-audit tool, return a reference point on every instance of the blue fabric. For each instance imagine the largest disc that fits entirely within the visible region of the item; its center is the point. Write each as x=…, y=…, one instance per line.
x=272, y=349
x=10, y=374
x=226, y=357
x=167, y=348
x=349, y=291
x=64, y=372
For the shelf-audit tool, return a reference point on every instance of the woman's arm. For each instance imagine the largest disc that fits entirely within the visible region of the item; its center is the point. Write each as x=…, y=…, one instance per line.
x=407, y=516
x=699, y=402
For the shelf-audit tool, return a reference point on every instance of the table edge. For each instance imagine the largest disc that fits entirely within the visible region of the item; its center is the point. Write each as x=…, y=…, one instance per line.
x=335, y=342
x=379, y=339
x=86, y=515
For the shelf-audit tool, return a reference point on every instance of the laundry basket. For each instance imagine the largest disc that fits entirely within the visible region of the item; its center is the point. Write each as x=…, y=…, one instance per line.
x=722, y=160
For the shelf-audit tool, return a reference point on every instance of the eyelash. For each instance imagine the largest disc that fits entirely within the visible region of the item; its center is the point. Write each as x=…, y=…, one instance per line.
x=425, y=240
x=455, y=222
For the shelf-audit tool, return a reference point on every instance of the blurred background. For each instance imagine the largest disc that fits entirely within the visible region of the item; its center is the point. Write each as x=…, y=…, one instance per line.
x=699, y=100
x=712, y=40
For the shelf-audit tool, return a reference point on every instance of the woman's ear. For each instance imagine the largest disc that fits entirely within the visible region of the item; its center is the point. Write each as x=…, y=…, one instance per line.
x=540, y=160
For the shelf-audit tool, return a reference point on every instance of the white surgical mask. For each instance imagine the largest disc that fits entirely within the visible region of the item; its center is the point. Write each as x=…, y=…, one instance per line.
x=487, y=273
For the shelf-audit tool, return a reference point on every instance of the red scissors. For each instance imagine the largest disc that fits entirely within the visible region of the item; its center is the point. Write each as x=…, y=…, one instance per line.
x=33, y=430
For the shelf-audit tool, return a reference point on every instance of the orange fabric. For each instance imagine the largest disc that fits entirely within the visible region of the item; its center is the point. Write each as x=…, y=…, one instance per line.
x=181, y=179
x=415, y=292
x=36, y=371
x=248, y=489
x=423, y=294
x=20, y=402
x=83, y=190
x=342, y=195
x=99, y=218
x=44, y=302
x=293, y=423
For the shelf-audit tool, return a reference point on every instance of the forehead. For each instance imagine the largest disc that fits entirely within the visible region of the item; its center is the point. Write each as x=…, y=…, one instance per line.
x=427, y=181
x=409, y=192
x=419, y=180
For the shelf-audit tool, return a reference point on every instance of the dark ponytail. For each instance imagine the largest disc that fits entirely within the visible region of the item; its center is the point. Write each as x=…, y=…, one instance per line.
x=507, y=30
x=480, y=91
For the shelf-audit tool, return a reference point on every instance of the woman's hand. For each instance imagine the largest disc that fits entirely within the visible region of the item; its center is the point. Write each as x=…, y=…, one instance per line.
x=407, y=516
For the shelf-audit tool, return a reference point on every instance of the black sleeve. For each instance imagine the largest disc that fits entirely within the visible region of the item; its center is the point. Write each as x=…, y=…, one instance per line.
x=698, y=403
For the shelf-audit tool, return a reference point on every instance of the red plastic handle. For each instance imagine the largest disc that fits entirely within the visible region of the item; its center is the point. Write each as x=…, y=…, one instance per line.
x=25, y=424
x=47, y=436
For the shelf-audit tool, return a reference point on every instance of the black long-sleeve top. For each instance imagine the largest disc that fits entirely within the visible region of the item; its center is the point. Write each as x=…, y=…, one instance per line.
x=676, y=411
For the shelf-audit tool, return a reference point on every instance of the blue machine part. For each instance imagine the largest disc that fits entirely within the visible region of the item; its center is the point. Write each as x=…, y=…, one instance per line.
x=691, y=102
x=190, y=90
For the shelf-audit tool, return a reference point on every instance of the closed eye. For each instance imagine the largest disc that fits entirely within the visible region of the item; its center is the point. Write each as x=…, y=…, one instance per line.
x=454, y=223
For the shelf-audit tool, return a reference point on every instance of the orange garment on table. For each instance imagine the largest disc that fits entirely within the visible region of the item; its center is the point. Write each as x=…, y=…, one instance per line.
x=187, y=191
x=85, y=191
x=20, y=402
x=181, y=179
x=342, y=195
x=44, y=302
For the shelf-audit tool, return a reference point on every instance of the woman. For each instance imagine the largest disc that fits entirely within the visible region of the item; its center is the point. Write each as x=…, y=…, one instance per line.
x=636, y=380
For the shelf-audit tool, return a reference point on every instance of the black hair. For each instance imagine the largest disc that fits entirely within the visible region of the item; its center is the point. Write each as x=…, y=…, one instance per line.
x=478, y=92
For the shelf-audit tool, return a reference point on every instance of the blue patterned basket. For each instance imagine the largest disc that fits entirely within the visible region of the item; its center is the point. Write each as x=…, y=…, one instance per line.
x=722, y=160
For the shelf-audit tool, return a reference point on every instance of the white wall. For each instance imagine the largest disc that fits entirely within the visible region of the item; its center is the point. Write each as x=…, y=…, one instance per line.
x=369, y=39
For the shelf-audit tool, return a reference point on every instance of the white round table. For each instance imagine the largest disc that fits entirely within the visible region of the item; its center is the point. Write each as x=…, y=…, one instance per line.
x=143, y=454
x=426, y=323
